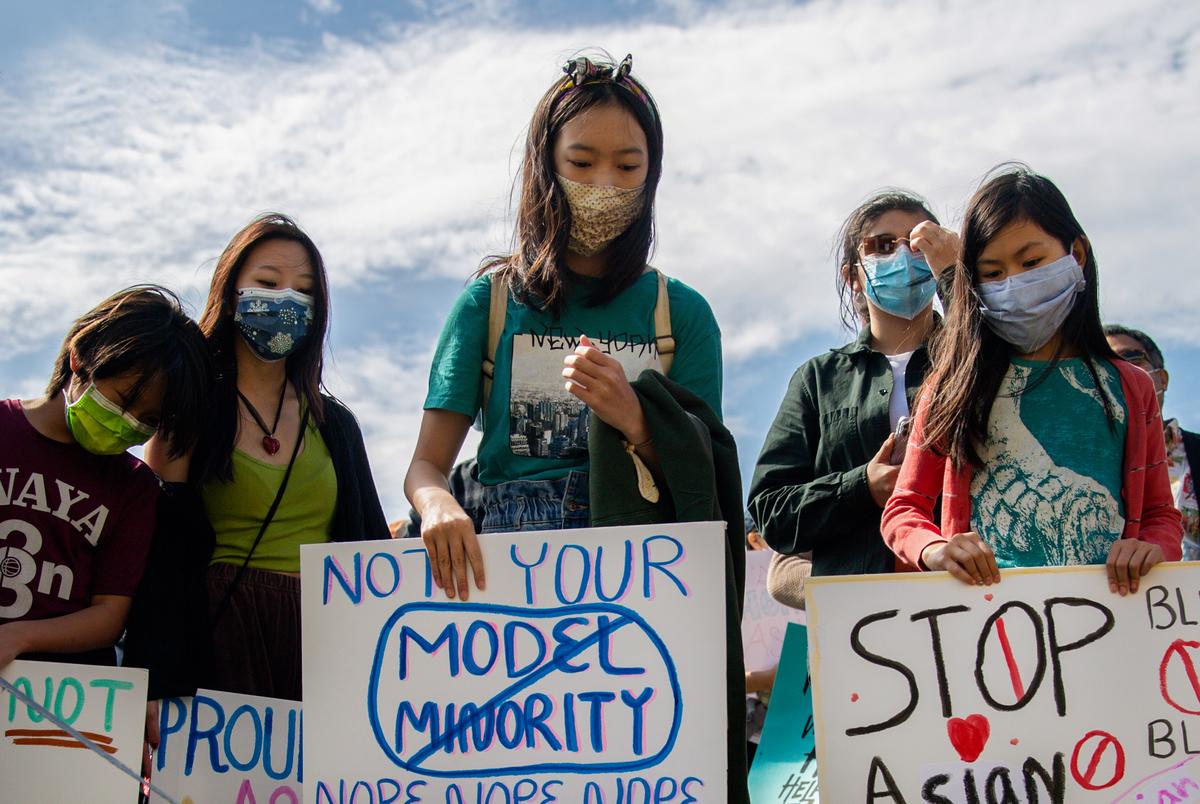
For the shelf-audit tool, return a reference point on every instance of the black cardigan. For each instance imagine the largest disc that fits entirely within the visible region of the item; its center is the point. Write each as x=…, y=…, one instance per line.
x=168, y=631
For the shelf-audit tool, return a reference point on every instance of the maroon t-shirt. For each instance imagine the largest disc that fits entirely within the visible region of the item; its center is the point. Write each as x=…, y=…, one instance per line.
x=72, y=524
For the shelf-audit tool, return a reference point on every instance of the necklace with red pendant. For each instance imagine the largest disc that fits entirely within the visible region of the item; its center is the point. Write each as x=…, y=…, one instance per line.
x=269, y=442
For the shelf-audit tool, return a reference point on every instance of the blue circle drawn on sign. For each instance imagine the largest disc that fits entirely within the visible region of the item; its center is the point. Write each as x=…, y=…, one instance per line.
x=524, y=613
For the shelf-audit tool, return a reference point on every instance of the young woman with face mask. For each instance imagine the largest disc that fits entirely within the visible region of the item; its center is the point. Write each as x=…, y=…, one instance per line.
x=1045, y=449
x=280, y=464
x=579, y=320
x=78, y=510
x=827, y=466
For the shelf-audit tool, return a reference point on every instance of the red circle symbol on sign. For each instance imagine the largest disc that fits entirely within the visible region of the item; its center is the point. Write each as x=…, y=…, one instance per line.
x=1098, y=744
x=1179, y=654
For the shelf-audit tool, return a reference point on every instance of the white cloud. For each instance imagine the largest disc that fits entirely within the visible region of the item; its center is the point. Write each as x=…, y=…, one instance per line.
x=373, y=382
x=398, y=153
x=324, y=7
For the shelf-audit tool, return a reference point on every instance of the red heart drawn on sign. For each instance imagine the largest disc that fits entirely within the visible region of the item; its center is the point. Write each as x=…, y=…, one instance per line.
x=968, y=735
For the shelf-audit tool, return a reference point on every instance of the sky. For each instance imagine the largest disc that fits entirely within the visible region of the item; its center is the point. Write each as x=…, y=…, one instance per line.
x=138, y=136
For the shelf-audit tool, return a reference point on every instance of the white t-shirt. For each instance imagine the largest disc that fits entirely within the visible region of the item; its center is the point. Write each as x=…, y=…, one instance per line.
x=898, y=407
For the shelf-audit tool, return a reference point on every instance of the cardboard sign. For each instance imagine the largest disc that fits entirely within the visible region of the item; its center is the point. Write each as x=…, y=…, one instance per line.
x=591, y=671
x=785, y=766
x=1046, y=687
x=764, y=619
x=41, y=763
x=222, y=748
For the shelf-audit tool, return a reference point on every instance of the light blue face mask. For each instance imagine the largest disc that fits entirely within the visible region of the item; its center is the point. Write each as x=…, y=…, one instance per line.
x=1028, y=308
x=900, y=284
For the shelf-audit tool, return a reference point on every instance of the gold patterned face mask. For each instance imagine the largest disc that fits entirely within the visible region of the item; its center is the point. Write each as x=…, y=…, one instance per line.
x=599, y=214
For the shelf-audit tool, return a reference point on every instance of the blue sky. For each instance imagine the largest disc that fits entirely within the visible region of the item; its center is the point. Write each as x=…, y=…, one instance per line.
x=139, y=136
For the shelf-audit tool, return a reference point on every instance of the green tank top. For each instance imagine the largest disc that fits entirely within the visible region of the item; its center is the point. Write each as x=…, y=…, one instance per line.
x=304, y=516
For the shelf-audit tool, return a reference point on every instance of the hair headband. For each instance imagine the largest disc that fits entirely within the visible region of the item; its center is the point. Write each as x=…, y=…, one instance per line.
x=583, y=70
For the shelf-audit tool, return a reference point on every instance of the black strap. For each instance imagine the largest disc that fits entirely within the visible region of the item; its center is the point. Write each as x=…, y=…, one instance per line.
x=237, y=578
x=1191, y=447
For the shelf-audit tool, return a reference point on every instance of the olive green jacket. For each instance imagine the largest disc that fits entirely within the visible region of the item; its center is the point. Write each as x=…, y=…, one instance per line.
x=809, y=491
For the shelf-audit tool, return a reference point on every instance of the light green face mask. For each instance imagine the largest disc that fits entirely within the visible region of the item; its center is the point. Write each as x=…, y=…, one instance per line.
x=101, y=427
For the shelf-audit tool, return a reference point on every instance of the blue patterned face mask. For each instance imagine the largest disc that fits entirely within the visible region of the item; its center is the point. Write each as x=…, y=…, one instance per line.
x=900, y=284
x=1028, y=308
x=274, y=323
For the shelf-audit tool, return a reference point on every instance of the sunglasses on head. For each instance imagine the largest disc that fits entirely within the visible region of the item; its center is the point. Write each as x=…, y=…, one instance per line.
x=882, y=244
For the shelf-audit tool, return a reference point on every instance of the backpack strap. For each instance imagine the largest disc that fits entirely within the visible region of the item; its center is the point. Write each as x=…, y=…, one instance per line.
x=497, y=313
x=662, y=324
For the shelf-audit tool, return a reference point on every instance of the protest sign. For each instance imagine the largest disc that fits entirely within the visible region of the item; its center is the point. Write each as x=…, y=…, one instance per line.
x=785, y=766
x=1046, y=687
x=764, y=620
x=590, y=671
x=40, y=762
x=223, y=748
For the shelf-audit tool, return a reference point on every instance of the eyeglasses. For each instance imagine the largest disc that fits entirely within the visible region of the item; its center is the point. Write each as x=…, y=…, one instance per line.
x=1139, y=359
x=882, y=244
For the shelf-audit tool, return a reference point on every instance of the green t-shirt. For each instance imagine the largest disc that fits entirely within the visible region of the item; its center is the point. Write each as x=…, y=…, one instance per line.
x=236, y=509
x=533, y=428
x=1050, y=490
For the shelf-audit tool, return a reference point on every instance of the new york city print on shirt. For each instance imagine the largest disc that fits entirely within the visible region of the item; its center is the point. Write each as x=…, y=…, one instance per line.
x=545, y=420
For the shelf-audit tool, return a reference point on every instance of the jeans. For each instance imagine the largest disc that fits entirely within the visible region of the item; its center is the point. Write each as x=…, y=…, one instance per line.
x=521, y=505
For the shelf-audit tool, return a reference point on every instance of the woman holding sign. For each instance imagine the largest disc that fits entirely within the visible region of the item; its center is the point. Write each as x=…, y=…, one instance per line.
x=558, y=327
x=1046, y=449
x=544, y=343
x=831, y=456
x=280, y=465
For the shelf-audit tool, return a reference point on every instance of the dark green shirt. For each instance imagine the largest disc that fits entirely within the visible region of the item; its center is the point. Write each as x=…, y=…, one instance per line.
x=809, y=490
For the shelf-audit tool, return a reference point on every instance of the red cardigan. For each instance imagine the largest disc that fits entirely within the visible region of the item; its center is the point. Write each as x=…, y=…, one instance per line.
x=908, y=518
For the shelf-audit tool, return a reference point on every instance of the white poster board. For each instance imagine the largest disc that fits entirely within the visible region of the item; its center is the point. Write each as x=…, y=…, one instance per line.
x=42, y=764
x=764, y=619
x=223, y=748
x=591, y=670
x=1046, y=687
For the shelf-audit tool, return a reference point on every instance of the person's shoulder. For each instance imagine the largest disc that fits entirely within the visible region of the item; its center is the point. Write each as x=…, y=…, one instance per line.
x=684, y=295
x=137, y=478
x=1134, y=380
x=337, y=412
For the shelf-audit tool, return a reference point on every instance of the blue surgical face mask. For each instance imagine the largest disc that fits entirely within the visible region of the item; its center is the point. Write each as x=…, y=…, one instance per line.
x=274, y=323
x=900, y=284
x=1028, y=308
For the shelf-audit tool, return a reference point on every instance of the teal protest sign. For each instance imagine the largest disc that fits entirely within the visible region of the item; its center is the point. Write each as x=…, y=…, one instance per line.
x=785, y=767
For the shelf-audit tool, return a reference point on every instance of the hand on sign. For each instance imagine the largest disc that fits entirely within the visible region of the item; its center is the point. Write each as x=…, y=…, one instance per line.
x=1128, y=561
x=938, y=244
x=450, y=539
x=881, y=474
x=599, y=381
x=966, y=557
x=152, y=737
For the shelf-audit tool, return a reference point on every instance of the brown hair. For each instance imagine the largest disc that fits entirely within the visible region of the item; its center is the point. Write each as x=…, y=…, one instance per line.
x=304, y=367
x=854, y=311
x=970, y=360
x=143, y=329
x=536, y=269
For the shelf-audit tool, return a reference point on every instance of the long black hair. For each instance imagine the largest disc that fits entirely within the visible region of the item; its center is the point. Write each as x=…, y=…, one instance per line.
x=536, y=268
x=213, y=456
x=970, y=360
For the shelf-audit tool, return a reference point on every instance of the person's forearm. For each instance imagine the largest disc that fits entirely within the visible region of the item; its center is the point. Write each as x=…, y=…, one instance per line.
x=97, y=626
x=426, y=484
